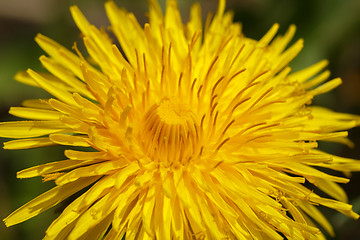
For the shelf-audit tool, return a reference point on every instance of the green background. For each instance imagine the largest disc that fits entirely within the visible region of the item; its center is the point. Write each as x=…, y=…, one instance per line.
x=331, y=29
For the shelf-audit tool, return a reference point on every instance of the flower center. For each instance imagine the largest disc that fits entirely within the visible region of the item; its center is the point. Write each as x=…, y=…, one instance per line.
x=170, y=132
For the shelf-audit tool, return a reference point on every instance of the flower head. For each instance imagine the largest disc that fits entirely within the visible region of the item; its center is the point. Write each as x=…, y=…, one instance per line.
x=192, y=132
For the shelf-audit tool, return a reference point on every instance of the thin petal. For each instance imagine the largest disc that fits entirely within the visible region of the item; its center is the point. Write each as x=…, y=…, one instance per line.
x=63, y=139
x=46, y=201
x=28, y=143
x=92, y=170
x=94, y=216
x=34, y=113
x=28, y=129
x=60, y=93
x=53, y=167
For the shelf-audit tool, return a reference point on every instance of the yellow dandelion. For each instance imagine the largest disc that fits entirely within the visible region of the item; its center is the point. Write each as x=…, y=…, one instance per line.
x=192, y=132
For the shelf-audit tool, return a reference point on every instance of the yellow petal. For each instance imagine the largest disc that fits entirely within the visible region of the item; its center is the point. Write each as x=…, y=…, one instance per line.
x=34, y=113
x=331, y=188
x=127, y=30
x=28, y=143
x=63, y=139
x=94, y=216
x=326, y=87
x=125, y=207
x=95, y=83
x=53, y=167
x=75, y=209
x=37, y=103
x=174, y=26
x=281, y=42
x=46, y=201
x=309, y=72
x=80, y=155
x=65, y=75
x=60, y=54
x=195, y=24
x=288, y=55
x=317, y=80
x=93, y=170
x=315, y=214
x=310, y=173
x=98, y=230
x=148, y=211
x=28, y=129
x=167, y=216
x=113, y=234
x=60, y=93
x=80, y=20
x=265, y=40
x=177, y=222
x=25, y=78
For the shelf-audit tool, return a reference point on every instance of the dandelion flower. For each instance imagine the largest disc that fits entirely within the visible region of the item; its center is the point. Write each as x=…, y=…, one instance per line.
x=185, y=132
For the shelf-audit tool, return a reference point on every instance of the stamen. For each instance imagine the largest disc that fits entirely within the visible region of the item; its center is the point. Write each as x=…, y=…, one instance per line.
x=189, y=63
x=215, y=85
x=201, y=150
x=261, y=97
x=193, y=84
x=202, y=121
x=124, y=115
x=199, y=91
x=236, y=57
x=218, y=164
x=239, y=103
x=169, y=55
x=212, y=100
x=135, y=82
x=194, y=39
x=162, y=78
x=137, y=61
x=209, y=71
x=170, y=133
x=179, y=82
x=213, y=108
x=145, y=68
x=74, y=47
x=214, y=123
x=257, y=137
x=227, y=127
x=222, y=143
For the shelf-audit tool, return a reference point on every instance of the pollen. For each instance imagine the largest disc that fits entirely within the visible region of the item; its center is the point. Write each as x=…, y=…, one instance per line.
x=172, y=112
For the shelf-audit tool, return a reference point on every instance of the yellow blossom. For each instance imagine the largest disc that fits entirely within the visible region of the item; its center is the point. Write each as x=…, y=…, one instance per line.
x=186, y=132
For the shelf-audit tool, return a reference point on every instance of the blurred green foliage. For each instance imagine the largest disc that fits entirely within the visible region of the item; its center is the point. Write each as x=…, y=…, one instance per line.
x=331, y=29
